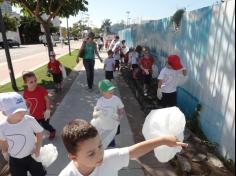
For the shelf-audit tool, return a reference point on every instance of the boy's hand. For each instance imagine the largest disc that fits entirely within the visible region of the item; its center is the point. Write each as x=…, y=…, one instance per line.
x=101, y=60
x=47, y=114
x=146, y=71
x=171, y=141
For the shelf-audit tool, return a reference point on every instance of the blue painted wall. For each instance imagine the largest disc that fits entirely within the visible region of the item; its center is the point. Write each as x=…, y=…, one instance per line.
x=206, y=44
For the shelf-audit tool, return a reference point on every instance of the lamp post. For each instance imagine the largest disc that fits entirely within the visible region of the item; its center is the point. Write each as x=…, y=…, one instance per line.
x=128, y=12
x=8, y=56
x=68, y=36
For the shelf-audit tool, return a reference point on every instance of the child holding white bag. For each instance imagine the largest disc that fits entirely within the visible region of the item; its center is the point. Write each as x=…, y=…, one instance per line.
x=20, y=136
x=173, y=75
x=108, y=113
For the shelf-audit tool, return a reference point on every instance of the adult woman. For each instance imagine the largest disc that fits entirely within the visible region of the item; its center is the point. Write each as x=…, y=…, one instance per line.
x=89, y=49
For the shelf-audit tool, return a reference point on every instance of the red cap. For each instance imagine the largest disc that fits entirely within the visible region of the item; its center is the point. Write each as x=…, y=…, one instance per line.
x=174, y=62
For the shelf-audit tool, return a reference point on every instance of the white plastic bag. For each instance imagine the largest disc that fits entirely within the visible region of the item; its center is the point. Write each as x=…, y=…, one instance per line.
x=63, y=70
x=168, y=121
x=105, y=122
x=48, y=154
x=104, y=118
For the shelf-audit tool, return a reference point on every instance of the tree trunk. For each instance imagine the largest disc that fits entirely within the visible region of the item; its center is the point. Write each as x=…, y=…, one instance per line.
x=48, y=37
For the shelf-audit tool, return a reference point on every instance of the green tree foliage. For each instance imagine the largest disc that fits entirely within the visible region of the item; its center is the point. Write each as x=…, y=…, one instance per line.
x=96, y=31
x=29, y=30
x=106, y=26
x=52, y=8
x=11, y=23
x=75, y=30
x=115, y=28
x=177, y=17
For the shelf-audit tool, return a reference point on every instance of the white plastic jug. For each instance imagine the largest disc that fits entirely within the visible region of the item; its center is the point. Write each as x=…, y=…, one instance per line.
x=168, y=121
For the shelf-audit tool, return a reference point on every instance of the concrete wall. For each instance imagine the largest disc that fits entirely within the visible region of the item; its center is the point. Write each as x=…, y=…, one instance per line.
x=206, y=44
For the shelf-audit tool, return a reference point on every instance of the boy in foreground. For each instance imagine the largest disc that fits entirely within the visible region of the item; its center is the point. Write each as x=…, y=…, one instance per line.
x=20, y=136
x=88, y=157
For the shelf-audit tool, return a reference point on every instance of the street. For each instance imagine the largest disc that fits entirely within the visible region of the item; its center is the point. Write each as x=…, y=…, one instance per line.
x=28, y=58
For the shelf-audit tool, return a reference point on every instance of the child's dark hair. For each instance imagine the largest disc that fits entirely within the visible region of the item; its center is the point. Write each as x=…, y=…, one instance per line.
x=28, y=75
x=139, y=49
x=76, y=132
x=131, y=49
x=109, y=52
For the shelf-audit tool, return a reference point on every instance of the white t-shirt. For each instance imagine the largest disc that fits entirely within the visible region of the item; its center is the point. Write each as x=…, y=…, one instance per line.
x=133, y=57
x=170, y=79
x=115, y=48
x=114, y=160
x=20, y=137
x=109, y=63
x=114, y=103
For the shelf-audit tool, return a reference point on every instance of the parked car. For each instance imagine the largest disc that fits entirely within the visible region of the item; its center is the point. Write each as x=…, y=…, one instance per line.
x=11, y=43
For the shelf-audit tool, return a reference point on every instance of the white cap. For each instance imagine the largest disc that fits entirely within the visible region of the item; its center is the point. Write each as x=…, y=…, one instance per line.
x=11, y=103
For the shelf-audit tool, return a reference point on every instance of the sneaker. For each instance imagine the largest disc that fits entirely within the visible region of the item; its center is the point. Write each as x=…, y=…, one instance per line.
x=52, y=135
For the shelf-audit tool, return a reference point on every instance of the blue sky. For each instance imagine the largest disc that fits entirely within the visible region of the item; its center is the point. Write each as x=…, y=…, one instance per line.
x=139, y=9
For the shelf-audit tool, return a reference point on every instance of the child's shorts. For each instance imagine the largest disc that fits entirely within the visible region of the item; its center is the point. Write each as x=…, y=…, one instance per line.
x=109, y=75
x=169, y=100
x=117, y=63
x=19, y=167
x=147, y=79
x=134, y=66
x=57, y=78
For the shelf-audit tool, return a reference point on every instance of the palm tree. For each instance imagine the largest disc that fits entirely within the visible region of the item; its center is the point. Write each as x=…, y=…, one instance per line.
x=106, y=26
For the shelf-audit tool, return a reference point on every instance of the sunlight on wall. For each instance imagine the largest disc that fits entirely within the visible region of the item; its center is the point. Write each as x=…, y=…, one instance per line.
x=206, y=45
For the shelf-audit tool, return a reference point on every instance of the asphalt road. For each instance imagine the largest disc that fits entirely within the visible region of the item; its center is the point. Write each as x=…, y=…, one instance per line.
x=29, y=57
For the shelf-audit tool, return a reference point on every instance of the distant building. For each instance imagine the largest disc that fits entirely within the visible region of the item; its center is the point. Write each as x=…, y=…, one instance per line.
x=7, y=9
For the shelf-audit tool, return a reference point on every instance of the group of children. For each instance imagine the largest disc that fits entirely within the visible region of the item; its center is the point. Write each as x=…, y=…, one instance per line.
x=84, y=142
x=21, y=134
x=26, y=117
x=141, y=61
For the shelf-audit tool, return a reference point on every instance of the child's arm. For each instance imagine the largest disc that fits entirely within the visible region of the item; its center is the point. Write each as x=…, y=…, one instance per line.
x=159, y=92
x=105, y=65
x=96, y=52
x=121, y=113
x=39, y=137
x=4, y=148
x=47, y=113
x=140, y=149
x=160, y=82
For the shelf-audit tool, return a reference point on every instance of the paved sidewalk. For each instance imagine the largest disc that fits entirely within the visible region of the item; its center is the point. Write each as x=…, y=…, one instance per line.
x=80, y=103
